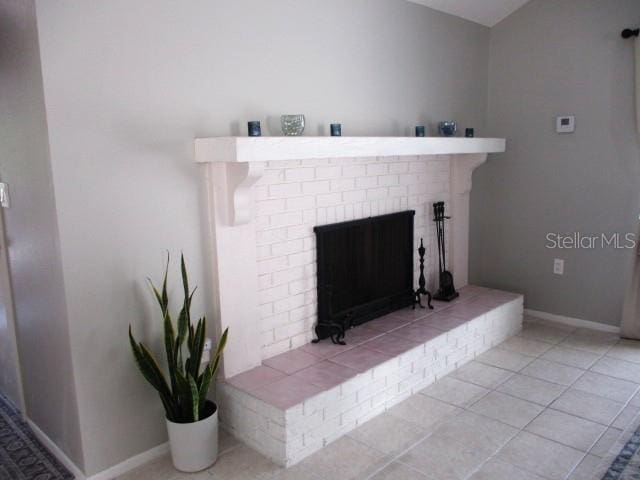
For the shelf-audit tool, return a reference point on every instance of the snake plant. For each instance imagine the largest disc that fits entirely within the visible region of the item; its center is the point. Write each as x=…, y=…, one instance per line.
x=184, y=395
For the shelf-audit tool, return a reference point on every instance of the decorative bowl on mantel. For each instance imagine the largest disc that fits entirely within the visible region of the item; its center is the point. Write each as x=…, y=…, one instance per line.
x=292, y=125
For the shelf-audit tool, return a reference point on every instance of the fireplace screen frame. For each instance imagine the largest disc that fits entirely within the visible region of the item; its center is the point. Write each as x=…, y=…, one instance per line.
x=391, y=234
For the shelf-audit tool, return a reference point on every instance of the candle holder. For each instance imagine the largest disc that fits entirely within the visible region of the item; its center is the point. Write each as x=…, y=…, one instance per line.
x=469, y=133
x=420, y=131
x=254, y=129
x=336, y=129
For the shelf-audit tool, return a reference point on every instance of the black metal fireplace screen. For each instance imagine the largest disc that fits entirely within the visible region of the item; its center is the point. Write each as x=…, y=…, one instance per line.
x=365, y=270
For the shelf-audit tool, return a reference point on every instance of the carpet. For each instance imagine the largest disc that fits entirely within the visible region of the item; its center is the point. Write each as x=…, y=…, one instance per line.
x=22, y=456
x=626, y=464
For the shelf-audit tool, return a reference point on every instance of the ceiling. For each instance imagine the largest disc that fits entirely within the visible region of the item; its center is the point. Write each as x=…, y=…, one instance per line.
x=484, y=12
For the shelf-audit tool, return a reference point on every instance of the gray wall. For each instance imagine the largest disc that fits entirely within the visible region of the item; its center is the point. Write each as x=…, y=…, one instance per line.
x=32, y=233
x=552, y=58
x=128, y=85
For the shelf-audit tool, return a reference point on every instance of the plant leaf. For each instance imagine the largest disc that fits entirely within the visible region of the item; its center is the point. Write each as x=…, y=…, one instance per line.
x=219, y=349
x=195, y=399
x=151, y=372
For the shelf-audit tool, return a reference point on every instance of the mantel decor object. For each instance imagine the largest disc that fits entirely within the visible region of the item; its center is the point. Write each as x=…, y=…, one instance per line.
x=336, y=129
x=447, y=128
x=420, y=131
x=447, y=291
x=292, y=125
x=469, y=133
x=253, y=128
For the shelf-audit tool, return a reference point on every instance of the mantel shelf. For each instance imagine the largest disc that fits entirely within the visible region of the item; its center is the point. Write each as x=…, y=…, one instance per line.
x=264, y=149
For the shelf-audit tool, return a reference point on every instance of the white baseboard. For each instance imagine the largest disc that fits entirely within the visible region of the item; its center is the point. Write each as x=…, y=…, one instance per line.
x=55, y=450
x=574, y=322
x=131, y=463
x=108, y=474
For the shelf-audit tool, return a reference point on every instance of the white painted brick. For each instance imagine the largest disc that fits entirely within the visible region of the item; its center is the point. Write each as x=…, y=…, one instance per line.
x=285, y=190
x=288, y=331
x=400, y=167
x=274, y=321
x=300, y=203
x=285, y=219
x=272, y=265
x=377, y=193
x=309, y=217
x=388, y=180
x=303, y=285
x=354, y=171
x=289, y=303
x=299, y=174
x=341, y=184
x=302, y=258
x=353, y=197
x=303, y=338
x=330, y=171
x=313, y=188
x=329, y=199
x=304, y=312
x=299, y=231
x=377, y=168
x=276, y=348
x=366, y=182
x=286, y=248
x=267, y=207
x=265, y=281
x=398, y=191
x=288, y=275
x=275, y=293
x=264, y=237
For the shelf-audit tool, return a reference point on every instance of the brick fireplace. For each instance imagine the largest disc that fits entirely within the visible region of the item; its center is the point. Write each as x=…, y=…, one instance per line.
x=265, y=196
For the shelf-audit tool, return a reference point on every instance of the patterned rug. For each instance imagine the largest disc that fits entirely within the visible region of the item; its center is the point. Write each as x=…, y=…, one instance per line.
x=22, y=456
x=626, y=465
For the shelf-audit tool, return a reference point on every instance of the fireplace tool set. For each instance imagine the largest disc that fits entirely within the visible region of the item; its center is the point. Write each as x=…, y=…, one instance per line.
x=447, y=291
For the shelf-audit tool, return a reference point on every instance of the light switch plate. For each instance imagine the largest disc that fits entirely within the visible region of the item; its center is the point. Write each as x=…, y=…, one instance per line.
x=565, y=124
x=4, y=195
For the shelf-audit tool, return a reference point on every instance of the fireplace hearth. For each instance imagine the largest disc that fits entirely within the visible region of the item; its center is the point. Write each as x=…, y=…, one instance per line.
x=365, y=270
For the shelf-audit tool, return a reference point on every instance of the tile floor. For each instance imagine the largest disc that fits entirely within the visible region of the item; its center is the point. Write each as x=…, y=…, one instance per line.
x=546, y=404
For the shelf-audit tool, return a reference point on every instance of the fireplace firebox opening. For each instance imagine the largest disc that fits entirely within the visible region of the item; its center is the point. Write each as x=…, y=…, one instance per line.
x=365, y=270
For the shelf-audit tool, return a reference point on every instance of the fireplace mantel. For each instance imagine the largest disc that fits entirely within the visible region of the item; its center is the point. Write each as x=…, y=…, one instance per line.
x=240, y=160
x=263, y=149
x=234, y=164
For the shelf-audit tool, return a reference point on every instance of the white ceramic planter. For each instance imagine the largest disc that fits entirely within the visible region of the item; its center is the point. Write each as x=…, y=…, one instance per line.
x=194, y=446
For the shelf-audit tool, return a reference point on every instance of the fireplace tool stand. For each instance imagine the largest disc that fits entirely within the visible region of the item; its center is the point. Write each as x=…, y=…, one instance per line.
x=447, y=291
x=421, y=282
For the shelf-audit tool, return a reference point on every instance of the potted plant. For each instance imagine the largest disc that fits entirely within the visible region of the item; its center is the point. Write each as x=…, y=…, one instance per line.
x=192, y=420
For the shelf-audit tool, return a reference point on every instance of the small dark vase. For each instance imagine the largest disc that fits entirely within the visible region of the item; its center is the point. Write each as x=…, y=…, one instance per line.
x=254, y=129
x=420, y=131
x=336, y=129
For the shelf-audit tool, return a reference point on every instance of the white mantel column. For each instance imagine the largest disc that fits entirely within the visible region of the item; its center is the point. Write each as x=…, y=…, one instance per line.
x=462, y=167
x=233, y=256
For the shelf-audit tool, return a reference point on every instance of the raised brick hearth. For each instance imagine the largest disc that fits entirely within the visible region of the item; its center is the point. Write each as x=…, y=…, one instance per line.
x=299, y=401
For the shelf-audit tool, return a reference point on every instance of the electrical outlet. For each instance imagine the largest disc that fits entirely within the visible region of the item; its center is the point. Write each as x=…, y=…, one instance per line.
x=206, y=351
x=558, y=266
